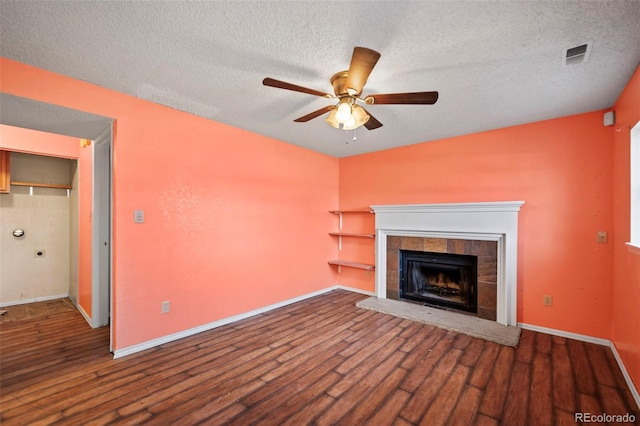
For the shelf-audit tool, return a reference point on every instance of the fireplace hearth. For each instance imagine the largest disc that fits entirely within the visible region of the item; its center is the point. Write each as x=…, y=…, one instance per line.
x=439, y=279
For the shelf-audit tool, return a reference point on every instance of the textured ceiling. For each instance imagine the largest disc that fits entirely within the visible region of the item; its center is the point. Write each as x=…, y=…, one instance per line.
x=495, y=64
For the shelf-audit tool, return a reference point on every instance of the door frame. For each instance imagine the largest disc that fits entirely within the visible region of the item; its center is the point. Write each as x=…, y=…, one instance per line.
x=33, y=114
x=101, y=287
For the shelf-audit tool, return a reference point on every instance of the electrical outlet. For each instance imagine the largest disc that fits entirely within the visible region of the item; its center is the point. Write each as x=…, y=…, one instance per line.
x=165, y=307
x=602, y=237
x=547, y=300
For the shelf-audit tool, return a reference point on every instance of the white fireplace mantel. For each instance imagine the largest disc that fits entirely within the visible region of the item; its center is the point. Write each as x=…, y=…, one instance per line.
x=491, y=221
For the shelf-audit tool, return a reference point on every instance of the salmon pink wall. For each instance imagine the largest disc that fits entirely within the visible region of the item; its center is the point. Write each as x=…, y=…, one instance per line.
x=562, y=170
x=43, y=143
x=626, y=263
x=233, y=221
x=85, y=228
x=35, y=142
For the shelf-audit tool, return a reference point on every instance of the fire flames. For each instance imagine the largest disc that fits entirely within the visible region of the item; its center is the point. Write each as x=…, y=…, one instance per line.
x=441, y=279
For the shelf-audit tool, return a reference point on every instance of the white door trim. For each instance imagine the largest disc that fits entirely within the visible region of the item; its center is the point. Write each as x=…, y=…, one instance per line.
x=101, y=229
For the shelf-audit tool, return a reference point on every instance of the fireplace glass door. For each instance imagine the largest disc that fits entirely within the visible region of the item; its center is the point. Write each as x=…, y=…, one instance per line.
x=439, y=279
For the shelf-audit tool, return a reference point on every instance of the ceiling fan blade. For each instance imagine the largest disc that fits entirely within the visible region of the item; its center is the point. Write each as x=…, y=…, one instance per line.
x=362, y=63
x=372, y=123
x=415, y=98
x=314, y=114
x=288, y=86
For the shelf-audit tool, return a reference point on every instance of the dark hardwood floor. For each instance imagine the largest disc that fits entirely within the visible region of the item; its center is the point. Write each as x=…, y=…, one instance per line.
x=36, y=309
x=321, y=361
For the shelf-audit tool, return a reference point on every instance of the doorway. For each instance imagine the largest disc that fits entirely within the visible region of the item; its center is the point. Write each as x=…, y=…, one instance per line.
x=50, y=118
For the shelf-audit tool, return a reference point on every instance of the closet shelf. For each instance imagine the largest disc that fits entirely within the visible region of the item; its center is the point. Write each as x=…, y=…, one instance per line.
x=42, y=185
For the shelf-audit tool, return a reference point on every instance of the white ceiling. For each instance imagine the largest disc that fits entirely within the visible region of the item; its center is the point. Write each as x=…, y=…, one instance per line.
x=495, y=63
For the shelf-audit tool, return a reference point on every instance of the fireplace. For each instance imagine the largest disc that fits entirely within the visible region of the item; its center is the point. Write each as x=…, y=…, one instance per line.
x=456, y=228
x=439, y=279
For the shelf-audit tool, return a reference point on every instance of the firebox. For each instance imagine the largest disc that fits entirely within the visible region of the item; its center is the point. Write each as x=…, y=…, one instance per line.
x=439, y=279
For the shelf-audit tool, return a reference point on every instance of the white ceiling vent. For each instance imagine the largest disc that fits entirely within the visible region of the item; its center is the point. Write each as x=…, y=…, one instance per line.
x=577, y=54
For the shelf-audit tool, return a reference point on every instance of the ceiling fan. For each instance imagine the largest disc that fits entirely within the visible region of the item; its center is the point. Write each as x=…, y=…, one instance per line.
x=347, y=88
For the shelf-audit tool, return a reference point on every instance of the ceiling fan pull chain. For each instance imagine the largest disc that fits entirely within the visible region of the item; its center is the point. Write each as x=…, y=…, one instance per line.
x=354, y=137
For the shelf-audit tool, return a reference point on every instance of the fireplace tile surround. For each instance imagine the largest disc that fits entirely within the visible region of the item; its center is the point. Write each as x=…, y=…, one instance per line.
x=488, y=230
x=486, y=251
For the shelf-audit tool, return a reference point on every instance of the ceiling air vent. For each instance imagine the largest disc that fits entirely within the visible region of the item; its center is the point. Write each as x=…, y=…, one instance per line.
x=576, y=55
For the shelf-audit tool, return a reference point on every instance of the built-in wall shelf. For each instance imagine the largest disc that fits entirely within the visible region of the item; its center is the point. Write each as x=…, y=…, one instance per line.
x=41, y=185
x=341, y=212
x=350, y=234
x=350, y=211
x=348, y=264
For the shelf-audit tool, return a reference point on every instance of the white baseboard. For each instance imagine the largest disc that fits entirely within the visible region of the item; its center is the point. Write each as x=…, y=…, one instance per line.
x=590, y=339
x=118, y=353
x=33, y=300
x=626, y=375
x=567, y=334
x=85, y=315
x=355, y=290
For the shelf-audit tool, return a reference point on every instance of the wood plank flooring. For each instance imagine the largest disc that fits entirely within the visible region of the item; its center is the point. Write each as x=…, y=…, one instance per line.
x=36, y=309
x=321, y=361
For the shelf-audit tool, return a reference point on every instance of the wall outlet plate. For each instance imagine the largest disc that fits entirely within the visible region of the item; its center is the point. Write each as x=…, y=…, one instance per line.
x=166, y=307
x=602, y=237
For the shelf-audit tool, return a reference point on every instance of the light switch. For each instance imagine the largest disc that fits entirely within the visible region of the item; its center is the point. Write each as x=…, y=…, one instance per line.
x=138, y=216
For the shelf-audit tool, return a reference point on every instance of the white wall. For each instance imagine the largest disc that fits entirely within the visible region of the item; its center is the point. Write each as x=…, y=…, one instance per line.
x=45, y=217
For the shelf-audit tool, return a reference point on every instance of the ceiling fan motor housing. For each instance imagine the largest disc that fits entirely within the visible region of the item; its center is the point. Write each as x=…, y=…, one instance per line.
x=338, y=81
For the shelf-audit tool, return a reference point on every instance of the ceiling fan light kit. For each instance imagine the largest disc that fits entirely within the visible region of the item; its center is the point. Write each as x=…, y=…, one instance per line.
x=343, y=112
x=347, y=115
x=359, y=117
x=347, y=86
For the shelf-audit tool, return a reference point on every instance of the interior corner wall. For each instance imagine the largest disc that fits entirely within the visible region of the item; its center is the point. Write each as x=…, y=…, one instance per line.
x=233, y=221
x=626, y=263
x=561, y=168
